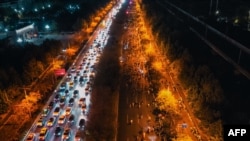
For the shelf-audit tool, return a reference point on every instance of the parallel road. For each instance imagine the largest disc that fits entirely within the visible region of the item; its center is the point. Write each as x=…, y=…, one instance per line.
x=136, y=121
x=189, y=119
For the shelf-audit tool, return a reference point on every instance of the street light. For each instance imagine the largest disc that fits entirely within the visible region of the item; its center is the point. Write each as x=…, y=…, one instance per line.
x=47, y=27
x=19, y=40
x=216, y=7
x=217, y=12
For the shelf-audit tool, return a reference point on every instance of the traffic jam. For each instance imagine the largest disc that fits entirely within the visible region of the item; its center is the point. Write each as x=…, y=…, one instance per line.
x=65, y=114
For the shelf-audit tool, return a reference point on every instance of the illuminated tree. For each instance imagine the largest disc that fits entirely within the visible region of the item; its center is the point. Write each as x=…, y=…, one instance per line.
x=84, y=24
x=22, y=112
x=166, y=101
x=183, y=137
x=33, y=97
x=4, y=101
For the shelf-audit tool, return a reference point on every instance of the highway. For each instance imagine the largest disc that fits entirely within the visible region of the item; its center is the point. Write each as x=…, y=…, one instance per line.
x=136, y=120
x=76, y=85
x=136, y=100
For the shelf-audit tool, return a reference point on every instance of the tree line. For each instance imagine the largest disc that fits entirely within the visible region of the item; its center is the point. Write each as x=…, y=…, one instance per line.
x=197, y=72
x=20, y=65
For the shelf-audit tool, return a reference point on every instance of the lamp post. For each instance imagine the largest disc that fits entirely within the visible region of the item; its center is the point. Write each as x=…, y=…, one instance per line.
x=217, y=11
x=25, y=88
x=216, y=7
x=248, y=25
x=210, y=8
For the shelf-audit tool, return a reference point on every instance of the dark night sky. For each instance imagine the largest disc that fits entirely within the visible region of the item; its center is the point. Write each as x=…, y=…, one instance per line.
x=227, y=7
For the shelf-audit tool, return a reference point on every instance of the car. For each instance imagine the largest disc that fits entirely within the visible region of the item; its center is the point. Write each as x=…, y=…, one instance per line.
x=61, y=92
x=57, y=97
x=81, y=123
x=80, y=67
x=45, y=112
x=89, y=83
x=81, y=79
x=51, y=122
x=85, y=76
x=56, y=111
x=66, y=92
x=61, y=119
x=73, y=69
x=69, y=76
x=85, y=71
x=84, y=106
x=93, y=66
x=31, y=137
x=78, y=136
x=81, y=101
x=78, y=73
x=71, y=85
x=51, y=105
x=62, y=101
x=58, y=131
x=92, y=76
x=43, y=134
x=68, y=111
x=86, y=93
x=87, y=88
x=71, y=119
x=66, y=134
x=76, y=93
x=68, y=80
x=63, y=86
x=75, y=79
x=71, y=101
x=40, y=122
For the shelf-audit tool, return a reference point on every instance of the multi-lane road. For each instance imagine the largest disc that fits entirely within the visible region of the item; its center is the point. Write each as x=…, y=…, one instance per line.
x=73, y=92
x=136, y=121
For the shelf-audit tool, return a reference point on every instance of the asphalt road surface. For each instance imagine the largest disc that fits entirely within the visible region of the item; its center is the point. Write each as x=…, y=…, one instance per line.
x=83, y=67
x=136, y=121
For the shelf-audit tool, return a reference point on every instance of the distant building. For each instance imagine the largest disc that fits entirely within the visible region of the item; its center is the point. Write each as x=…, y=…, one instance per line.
x=23, y=34
x=9, y=3
x=15, y=3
